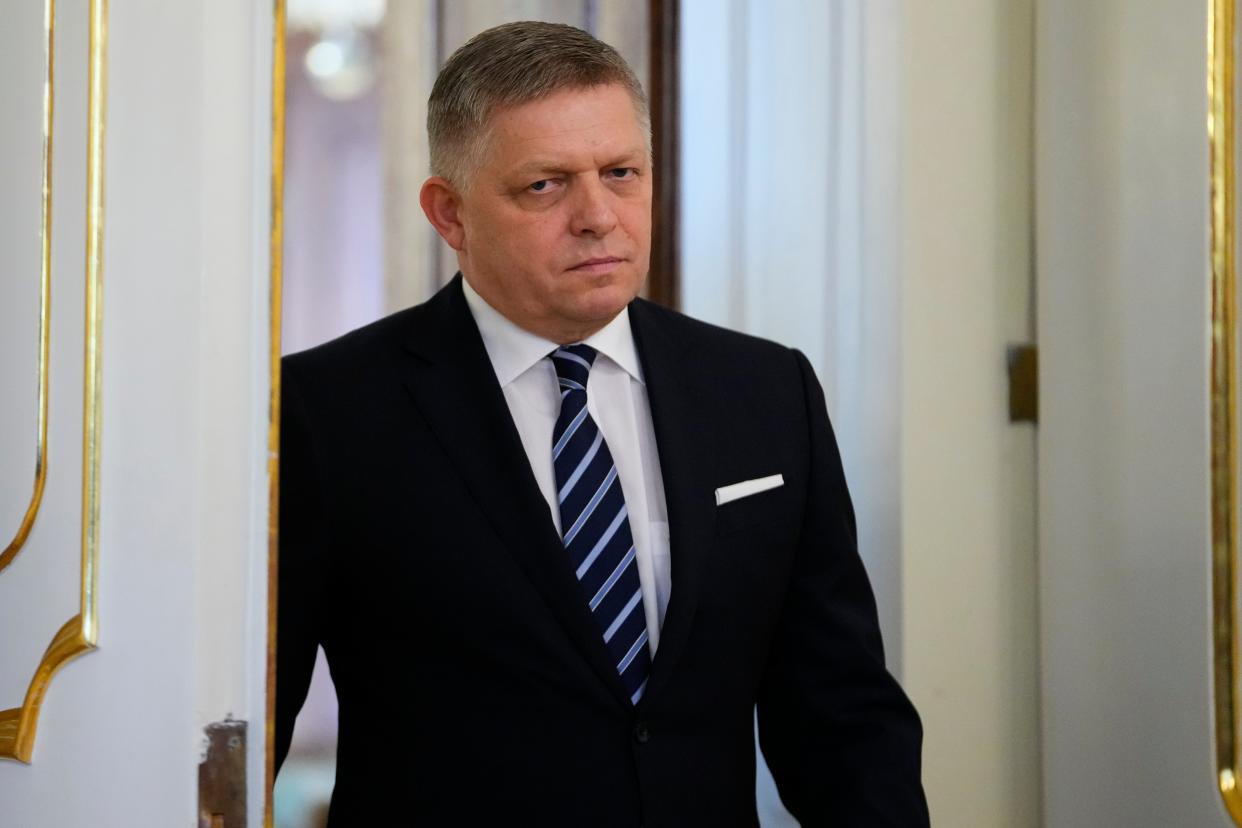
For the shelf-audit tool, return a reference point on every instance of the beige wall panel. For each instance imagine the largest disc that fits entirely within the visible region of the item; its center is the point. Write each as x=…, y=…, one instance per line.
x=408, y=45
x=970, y=646
x=463, y=19
x=1122, y=175
x=623, y=24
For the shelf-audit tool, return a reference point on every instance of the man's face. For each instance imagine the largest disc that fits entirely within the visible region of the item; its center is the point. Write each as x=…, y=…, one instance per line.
x=556, y=221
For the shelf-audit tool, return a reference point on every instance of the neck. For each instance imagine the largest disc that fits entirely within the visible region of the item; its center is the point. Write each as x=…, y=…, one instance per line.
x=566, y=336
x=554, y=330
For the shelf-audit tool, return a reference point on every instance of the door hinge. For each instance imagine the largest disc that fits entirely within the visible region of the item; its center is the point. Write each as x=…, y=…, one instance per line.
x=1023, y=383
x=222, y=776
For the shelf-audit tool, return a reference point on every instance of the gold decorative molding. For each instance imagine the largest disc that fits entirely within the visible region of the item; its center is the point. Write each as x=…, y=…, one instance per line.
x=1224, y=450
x=276, y=263
x=45, y=293
x=78, y=634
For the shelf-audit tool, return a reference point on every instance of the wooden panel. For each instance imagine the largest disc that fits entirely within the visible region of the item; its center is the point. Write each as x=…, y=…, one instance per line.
x=662, y=285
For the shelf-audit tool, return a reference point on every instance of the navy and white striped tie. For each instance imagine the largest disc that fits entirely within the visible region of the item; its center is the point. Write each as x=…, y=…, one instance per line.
x=595, y=525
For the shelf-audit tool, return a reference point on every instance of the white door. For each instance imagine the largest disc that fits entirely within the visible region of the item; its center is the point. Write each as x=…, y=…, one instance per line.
x=133, y=613
x=1123, y=193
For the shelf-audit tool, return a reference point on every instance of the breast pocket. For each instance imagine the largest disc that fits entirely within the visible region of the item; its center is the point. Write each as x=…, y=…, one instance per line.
x=753, y=510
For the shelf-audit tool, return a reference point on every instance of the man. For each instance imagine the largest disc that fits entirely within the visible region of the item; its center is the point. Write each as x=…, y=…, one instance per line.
x=558, y=542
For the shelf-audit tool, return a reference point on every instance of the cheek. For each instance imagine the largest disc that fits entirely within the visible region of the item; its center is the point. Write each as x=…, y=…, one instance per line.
x=510, y=229
x=637, y=220
x=534, y=236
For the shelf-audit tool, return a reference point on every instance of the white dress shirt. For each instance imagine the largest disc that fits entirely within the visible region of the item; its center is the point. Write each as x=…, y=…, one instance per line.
x=617, y=401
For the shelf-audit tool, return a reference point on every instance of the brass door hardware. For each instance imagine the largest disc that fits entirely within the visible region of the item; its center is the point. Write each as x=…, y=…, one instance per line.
x=222, y=777
x=1023, y=383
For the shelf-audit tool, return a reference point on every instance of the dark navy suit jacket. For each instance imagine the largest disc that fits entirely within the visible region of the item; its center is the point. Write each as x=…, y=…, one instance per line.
x=474, y=686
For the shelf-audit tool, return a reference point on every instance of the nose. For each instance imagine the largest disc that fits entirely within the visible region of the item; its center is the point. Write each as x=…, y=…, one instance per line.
x=592, y=209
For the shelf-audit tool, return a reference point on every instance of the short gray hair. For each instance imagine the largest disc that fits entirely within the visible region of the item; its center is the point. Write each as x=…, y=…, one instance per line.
x=510, y=65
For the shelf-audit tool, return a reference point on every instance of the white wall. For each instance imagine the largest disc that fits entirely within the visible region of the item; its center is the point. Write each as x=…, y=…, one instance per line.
x=968, y=563
x=1123, y=325
x=182, y=577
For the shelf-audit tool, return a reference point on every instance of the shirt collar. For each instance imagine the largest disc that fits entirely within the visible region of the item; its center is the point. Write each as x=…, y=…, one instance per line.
x=513, y=350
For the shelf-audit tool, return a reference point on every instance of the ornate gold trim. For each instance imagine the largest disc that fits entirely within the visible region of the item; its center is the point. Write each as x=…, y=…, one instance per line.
x=79, y=634
x=1224, y=453
x=276, y=263
x=45, y=292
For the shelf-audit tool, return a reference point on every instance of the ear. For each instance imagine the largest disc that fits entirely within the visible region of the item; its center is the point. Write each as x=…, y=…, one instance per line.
x=442, y=205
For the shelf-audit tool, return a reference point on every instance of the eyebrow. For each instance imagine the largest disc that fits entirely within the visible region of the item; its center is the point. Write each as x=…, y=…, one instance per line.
x=547, y=165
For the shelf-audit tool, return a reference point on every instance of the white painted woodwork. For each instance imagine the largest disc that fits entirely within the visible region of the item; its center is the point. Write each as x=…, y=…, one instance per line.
x=182, y=578
x=39, y=591
x=968, y=560
x=1122, y=177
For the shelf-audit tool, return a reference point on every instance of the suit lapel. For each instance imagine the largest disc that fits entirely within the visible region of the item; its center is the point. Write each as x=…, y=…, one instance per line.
x=455, y=389
x=682, y=418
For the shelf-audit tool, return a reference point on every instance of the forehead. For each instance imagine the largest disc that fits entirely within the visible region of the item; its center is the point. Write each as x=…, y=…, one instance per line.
x=572, y=125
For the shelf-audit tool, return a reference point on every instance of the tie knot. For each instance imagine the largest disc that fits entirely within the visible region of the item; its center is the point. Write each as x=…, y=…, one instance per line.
x=573, y=365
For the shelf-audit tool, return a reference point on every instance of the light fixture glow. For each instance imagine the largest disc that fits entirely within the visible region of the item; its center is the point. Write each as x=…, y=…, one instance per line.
x=325, y=59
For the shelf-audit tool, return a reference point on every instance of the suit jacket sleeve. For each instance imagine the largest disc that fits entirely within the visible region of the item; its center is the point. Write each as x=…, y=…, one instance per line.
x=841, y=738
x=302, y=562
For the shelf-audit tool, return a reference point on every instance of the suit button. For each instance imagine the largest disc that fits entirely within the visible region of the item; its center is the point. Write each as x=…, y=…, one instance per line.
x=641, y=734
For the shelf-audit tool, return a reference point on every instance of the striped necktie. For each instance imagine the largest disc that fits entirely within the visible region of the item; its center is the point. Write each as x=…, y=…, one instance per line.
x=595, y=524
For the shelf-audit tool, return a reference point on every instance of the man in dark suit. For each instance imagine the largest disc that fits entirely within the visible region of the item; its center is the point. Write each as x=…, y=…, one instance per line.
x=558, y=542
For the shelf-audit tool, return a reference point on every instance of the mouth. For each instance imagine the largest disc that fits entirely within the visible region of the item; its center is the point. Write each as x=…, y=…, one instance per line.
x=601, y=264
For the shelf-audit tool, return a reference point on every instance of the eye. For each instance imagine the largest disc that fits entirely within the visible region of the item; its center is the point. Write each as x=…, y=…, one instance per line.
x=545, y=185
x=623, y=173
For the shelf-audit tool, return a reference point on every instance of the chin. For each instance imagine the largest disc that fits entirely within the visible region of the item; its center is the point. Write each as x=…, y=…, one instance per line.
x=597, y=311
x=609, y=300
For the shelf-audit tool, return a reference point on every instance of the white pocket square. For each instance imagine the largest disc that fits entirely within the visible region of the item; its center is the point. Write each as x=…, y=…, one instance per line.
x=748, y=487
